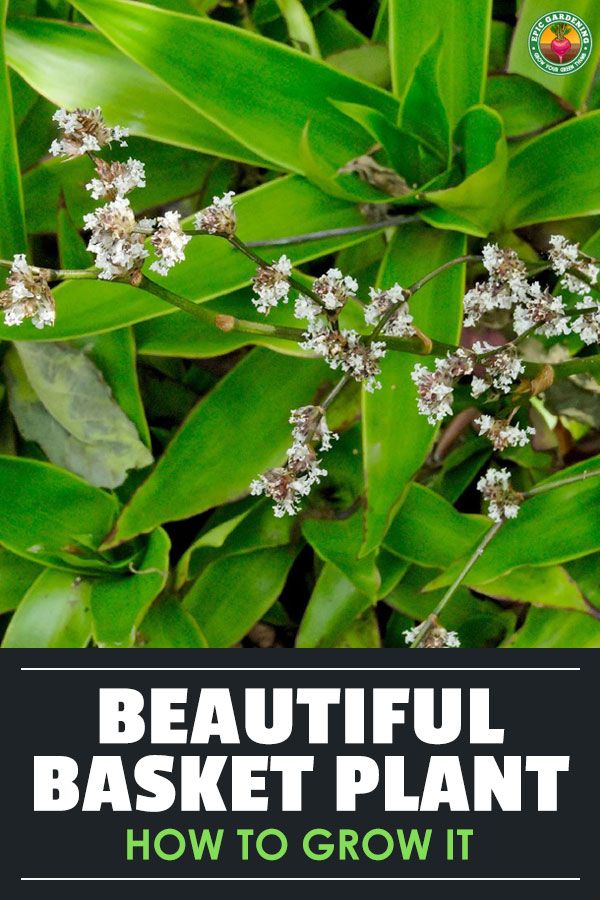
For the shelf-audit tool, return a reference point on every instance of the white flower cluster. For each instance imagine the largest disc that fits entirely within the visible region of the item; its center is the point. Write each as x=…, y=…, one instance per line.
x=496, y=488
x=116, y=179
x=390, y=302
x=502, y=368
x=436, y=638
x=334, y=289
x=506, y=284
x=117, y=239
x=169, y=242
x=501, y=433
x=567, y=260
x=346, y=350
x=218, y=218
x=119, y=249
x=287, y=485
x=535, y=308
x=84, y=131
x=27, y=296
x=564, y=256
x=435, y=389
x=542, y=311
x=271, y=284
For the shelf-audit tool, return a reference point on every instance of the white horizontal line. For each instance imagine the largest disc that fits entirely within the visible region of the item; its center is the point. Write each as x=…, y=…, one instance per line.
x=316, y=878
x=300, y=668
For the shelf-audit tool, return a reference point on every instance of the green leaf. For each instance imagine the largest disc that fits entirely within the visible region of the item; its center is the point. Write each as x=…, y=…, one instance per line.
x=51, y=516
x=396, y=439
x=462, y=25
x=500, y=35
x=474, y=205
x=233, y=593
x=543, y=586
x=168, y=625
x=524, y=105
x=237, y=431
x=118, y=605
x=16, y=576
x=363, y=633
x=429, y=531
x=338, y=541
x=53, y=613
x=403, y=150
x=212, y=267
x=60, y=400
x=480, y=623
x=566, y=518
x=537, y=172
x=268, y=108
x=586, y=572
x=115, y=355
x=553, y=628
x=334, y=605
x=12, y=234
x=573, y=88
x=370, y=62
x=77, y=67
x=299, y=25
x=423, y=113
x=236, y=528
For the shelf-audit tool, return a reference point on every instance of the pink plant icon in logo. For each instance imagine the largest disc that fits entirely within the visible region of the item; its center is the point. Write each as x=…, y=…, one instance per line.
x=561, y=43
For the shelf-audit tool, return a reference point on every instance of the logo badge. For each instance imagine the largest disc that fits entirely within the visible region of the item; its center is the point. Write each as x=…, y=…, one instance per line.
x=560, y=43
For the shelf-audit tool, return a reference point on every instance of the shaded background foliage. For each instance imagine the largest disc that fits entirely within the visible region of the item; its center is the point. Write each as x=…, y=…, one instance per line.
x=129, y=433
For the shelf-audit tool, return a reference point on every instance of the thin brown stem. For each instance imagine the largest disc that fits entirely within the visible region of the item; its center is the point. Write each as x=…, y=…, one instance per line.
x=421, y=282
x=263, y=264
x=389, y=222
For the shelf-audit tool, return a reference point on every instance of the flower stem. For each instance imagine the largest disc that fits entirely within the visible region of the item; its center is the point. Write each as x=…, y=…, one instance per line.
x=335, y=392
x=561, y=482
x=56, y=274
x=485, y=541
x=193, y=309
x=429, y=621
x=235, y=241
x=421, y=282
x=389, y=222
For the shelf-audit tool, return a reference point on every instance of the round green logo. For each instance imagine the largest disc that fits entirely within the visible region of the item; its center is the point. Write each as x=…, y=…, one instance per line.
x=560, y=43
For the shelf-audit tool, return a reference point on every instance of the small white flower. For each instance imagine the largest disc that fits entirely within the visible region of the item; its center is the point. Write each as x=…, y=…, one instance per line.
x=496, y=488
x=502, y=368
x=84, y=131
x=563, y=256
x=436, y=637
x=27, y=296
x=435, y=390
x=502, y=434
x=218, y=218
x=118, y=248
x=346, y=350
x=271, y=284
x=400, y=323
x=543, y=310
x=334, y=289
x=506, y=285
x=288, y=484
x=116, y=179
x=587, y=325
x=310, y=424
x=306, y=308
x=169, y=242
